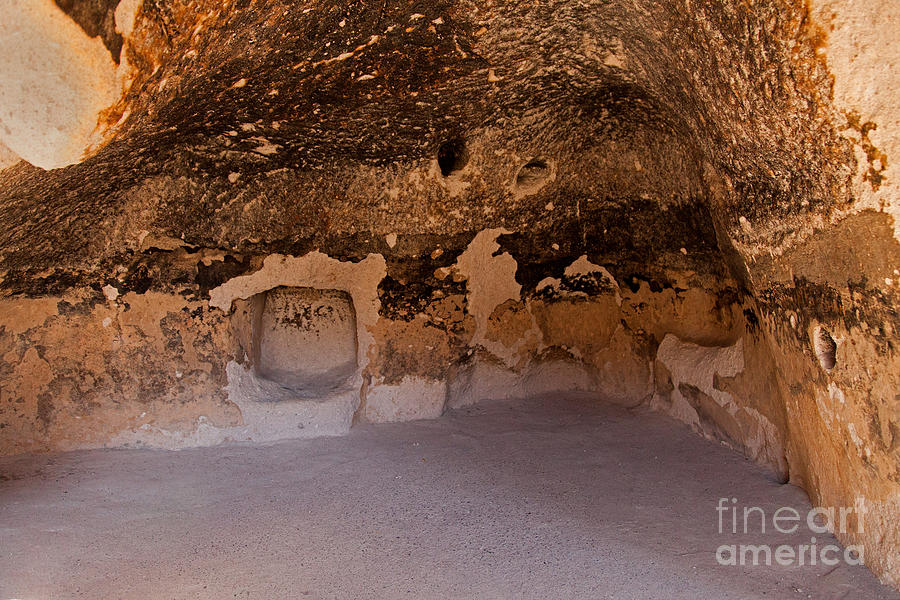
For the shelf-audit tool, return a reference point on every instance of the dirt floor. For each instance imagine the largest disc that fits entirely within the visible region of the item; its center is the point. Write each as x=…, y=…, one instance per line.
x=549, y=498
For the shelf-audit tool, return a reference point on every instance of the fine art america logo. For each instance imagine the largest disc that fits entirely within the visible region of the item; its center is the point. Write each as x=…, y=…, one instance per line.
x=802, y=548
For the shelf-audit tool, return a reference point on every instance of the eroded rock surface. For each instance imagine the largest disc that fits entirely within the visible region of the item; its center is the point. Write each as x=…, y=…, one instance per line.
x=668, y=204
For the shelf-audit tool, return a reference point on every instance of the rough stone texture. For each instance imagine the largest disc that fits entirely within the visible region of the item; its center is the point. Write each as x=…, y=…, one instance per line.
x=7, y=157
x=307, y=338
x=56, y=82
x=602, y=195
x=79, y=369
x=697, y=393
x=862, y=52
x=412, y=398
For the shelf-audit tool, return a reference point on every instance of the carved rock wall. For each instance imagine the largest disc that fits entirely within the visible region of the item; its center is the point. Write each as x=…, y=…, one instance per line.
x=684, y=206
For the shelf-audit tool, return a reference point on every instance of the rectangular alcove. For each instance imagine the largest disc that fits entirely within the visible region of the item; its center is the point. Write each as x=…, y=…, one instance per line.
x=304, y=339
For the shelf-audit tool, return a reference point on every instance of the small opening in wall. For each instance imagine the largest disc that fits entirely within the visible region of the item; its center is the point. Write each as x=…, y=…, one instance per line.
x=825, y=348
x=304, y=339
x=452, y=156
x=533, y=174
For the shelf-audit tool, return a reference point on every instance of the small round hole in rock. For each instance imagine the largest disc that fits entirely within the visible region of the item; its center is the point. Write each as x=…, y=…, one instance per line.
x=533, y=174
x=825, y=348
x=452, y=156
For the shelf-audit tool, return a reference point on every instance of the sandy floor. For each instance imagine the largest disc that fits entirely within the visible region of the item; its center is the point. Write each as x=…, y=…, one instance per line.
x=545, y=499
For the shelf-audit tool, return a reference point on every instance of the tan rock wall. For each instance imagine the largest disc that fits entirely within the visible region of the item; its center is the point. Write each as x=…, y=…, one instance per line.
x=78, y=370
x=95, y=368
x=843, y=430
x=98, y=368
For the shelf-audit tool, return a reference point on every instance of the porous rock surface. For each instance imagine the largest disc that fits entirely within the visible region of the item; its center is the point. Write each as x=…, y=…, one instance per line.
x=683, y=205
